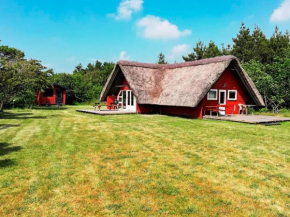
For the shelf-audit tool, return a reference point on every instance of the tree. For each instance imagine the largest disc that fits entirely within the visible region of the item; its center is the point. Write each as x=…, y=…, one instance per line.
x=161, y=59
x=199, y=50
x=85, y=84
x=35, y=78
x=189, y=57
x=280, y=72
x=20, y=79
x=279, y=42
x=226, y=50
x=198, y=53
x=243, y=45
x=261, y=49
x=272, y=80
x=211, y=51
x=10, y=79
x=78, y=69
x=262, y=80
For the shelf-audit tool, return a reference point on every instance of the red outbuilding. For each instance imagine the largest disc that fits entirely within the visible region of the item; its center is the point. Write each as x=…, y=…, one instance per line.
x=193, y=89
x=56, y=95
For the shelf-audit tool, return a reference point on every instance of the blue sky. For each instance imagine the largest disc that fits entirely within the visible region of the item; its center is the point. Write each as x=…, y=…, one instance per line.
x=63, y=33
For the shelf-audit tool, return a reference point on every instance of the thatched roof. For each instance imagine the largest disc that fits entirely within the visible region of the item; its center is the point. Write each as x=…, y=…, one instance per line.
x=183, y=84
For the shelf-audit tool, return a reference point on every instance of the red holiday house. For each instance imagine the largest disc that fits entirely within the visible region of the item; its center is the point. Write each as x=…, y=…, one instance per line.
x=185, y=89
x=56, y=95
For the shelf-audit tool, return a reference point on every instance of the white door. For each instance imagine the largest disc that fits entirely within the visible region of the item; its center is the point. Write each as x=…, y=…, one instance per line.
x=127, y=100
x=130, y=101
x=222, y=101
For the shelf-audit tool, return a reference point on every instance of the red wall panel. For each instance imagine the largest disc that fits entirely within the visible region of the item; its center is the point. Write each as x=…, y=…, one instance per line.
x=227, y=82
x=110, y=100
x=42, y=100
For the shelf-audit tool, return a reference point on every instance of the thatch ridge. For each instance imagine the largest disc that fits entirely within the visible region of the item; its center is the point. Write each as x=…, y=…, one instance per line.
x=177, y=65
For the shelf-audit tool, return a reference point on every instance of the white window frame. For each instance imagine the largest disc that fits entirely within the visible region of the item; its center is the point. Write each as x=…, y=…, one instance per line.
x=216, y=91
x=232, y=99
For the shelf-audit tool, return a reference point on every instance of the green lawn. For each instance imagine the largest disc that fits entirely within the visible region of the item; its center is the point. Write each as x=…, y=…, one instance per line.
x=57, y=162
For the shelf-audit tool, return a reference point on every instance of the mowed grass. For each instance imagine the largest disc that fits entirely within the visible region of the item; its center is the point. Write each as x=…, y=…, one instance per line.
x=57, y=162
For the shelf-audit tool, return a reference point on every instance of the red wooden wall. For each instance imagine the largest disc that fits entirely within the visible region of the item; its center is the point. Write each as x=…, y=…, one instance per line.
x=42, y=100
x=110, y=99
x=231, y=83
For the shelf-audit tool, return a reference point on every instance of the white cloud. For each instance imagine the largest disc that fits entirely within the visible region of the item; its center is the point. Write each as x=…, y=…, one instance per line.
x=177, y=51
x=124, y=56
x=127, y=8
x=153, y=27
x=282, y=13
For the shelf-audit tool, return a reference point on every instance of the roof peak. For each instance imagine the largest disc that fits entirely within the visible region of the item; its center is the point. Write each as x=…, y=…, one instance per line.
x=177, y=65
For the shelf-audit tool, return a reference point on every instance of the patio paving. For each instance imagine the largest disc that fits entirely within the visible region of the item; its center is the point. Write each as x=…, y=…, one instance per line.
x=106, y=112
x=251, y=119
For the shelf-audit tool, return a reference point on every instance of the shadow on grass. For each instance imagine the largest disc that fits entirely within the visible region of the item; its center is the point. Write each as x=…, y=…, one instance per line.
x=49, y=108
x=22, y=115
x=6, y=126
x=6, y=163
x=5, y=149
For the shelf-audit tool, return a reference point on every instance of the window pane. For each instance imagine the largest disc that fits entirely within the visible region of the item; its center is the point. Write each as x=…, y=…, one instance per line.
x=129, y=97
x=132, y=99
x=222, y=98
x=212, y=94
x=232, y=95
x=48, y=93
x=124, y=99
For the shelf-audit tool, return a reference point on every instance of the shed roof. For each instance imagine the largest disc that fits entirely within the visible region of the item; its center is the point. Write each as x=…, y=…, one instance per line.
x=183, y=84
x=57, y=85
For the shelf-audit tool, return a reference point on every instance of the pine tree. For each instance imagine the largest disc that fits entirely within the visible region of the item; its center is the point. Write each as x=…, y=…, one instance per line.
x=261, y=49
x=161, y=59
x=189, y=57
x=243, y=44
x=199, y=50
x=211, y=51
x=197, y=54
x=226, y=50
x=279, y=42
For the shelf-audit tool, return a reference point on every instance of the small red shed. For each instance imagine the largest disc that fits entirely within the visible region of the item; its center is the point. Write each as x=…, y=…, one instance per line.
x=184, y=89
x=56, y=95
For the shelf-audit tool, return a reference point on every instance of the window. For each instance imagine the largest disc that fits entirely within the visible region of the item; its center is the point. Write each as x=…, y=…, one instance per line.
x=212, y=94
x=48, y=93
x=232, y=95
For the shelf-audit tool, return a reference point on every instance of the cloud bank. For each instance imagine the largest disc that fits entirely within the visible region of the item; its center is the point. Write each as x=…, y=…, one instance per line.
x=282, y=13
x=152, y=27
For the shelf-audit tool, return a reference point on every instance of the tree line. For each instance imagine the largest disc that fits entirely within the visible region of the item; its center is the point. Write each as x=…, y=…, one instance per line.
x=267, y=61
x=85, y=84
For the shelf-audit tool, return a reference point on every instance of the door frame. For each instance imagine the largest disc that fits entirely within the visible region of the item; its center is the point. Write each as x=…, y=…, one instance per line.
x=58, y=99
x=225, y=97
x=128, y=105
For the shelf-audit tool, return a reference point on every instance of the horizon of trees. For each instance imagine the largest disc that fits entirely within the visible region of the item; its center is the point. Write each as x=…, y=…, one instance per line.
x=267, y=61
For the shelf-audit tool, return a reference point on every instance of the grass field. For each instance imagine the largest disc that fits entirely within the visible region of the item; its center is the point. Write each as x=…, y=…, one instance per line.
x=57, y=162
